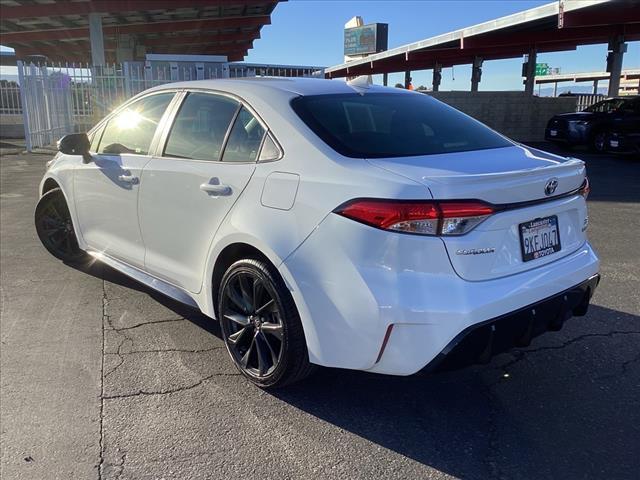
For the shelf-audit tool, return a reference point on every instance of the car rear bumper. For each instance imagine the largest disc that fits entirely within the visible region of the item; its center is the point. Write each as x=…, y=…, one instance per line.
x=358, y=287
x=478, y=343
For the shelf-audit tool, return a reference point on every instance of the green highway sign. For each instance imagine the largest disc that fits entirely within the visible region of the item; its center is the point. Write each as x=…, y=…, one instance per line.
x=542, y=69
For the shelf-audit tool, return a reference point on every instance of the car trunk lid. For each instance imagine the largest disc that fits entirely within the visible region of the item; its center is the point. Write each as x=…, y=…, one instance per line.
x=515, y=180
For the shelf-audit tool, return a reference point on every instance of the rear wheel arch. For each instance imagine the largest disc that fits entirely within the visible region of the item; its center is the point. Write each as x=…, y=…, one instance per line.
x=49, y=184
x=227, y=257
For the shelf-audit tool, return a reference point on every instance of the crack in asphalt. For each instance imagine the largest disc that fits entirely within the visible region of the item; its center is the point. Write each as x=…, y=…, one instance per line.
x=183, y=350
x=159, y=350
x=520, y=354
x=169, y=391
x=169, y=320
x=120, y=466
x=125, y=338
x=105, y=316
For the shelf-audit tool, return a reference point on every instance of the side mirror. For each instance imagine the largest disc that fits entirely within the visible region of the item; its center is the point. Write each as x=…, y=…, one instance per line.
x=74, y=144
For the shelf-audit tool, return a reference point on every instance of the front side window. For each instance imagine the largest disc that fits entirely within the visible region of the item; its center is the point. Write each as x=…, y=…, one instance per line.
x=95, y=139
x=133, y=128
x=376, y=125
x=200, y=127
x=245, y=139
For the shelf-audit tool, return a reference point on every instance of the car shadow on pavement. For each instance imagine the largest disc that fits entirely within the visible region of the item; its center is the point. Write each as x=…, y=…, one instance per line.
x=565, y=407
x=560, y=408
x=104, y=272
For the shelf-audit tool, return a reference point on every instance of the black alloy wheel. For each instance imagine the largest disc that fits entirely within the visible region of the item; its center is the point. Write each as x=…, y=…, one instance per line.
x=55, y=227
x=260, y=325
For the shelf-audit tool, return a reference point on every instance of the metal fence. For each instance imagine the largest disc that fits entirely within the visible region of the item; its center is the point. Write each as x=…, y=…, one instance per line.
x=585, y=101
x=56, y=99
x=45, y=97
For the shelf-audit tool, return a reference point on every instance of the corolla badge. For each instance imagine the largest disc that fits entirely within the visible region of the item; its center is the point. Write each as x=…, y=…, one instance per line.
x=551, y=186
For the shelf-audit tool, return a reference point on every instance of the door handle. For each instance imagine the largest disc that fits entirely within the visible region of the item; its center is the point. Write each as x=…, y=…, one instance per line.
x=128, y=179
x=215, y=190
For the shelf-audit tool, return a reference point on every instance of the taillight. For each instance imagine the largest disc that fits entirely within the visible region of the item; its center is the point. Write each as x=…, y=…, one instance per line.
x=416, y=216
x=585, y=188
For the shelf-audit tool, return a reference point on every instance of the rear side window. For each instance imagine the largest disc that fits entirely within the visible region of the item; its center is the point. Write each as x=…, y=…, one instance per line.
x=133, y=128
x=377, y=125
x=245, y=139
x=200, y=127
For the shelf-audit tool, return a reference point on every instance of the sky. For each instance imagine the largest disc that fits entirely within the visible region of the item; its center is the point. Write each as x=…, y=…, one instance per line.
x=310, y=32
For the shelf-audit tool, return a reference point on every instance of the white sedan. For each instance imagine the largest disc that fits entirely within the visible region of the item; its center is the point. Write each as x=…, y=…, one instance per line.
x=327, y=223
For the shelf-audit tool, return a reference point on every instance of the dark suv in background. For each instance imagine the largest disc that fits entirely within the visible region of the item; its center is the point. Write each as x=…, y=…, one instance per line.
x=612, y=124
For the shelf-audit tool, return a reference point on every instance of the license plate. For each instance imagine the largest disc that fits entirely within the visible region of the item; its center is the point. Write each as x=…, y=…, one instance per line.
x=539, y=238
x=553, y=133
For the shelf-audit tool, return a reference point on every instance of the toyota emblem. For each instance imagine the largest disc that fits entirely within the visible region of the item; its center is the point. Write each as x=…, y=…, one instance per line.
x=551, y=186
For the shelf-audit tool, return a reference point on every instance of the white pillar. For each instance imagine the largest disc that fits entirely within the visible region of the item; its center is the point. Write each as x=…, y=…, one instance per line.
x=617, y=47
x=97, y=41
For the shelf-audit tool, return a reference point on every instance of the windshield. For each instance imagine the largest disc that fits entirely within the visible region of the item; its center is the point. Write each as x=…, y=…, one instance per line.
x=376, y=125
x=605, y=106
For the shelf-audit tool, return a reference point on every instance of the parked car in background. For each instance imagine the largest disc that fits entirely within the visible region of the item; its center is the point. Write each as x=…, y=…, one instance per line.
x=326, y=223
x=594, y=125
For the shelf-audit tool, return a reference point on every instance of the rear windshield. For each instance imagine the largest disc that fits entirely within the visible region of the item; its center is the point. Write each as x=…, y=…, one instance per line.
x=375, y=125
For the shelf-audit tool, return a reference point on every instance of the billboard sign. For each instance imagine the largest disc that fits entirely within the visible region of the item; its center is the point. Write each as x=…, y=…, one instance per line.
x=366, y=39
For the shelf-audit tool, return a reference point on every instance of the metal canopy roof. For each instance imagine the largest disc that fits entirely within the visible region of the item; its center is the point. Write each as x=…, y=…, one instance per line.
x=584, y=22
x=59, y=29
x=633, y=74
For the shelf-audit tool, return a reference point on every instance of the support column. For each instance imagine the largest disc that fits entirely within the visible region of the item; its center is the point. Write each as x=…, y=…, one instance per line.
x=617, y=48
x=555, y=89
x=125, y=48
x=595, y=87
x=437, y=77
x=385, y=79
x=97, y=40
x=407, y=78
x=476, y=73
x=530, y=72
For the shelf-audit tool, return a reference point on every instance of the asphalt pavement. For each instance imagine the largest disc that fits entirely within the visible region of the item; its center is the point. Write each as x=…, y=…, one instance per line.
x=102, y=378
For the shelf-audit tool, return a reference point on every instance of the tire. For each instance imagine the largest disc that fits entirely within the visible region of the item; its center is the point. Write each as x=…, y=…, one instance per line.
x=55, y=228
x=261, y=326
x=598, y=141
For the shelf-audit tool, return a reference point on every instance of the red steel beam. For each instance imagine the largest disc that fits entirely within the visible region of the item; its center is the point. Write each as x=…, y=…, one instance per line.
x=155, y=27
x=494, y=47
x=116, y=6
x=577, y=35
x=244, y=46
x=617, y=14
x=200, y=38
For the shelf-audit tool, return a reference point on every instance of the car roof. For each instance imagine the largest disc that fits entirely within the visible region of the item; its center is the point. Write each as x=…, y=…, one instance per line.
x=292, y=86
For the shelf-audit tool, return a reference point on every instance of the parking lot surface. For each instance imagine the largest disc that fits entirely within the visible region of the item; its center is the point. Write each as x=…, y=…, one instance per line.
x=102, y=378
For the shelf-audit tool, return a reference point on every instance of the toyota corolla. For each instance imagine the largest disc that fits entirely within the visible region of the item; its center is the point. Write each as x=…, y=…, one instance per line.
x=327, y=223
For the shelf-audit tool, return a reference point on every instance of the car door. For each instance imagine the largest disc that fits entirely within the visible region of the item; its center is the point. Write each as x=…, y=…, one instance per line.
x=204, y=164
x=106, y=188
